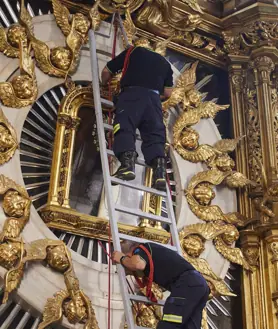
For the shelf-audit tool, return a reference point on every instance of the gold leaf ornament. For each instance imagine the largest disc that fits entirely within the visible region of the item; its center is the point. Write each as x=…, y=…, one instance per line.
x=8, y=139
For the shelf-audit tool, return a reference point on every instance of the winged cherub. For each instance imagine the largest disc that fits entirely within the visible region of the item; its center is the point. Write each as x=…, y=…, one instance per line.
x=62, y=61
x=223, y=236
x=200, y=194
x=192, y=239
x=22, y=90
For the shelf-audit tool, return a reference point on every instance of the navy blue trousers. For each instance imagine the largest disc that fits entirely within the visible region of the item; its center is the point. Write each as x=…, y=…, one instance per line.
x=189, y=295
x=139, y=108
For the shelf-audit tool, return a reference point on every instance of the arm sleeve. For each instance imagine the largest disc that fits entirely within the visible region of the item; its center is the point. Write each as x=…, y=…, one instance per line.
x=169, y=78
x=142, y=254
x=117, y=64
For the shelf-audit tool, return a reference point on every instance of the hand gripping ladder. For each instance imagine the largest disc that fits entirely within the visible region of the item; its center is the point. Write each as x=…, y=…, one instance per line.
x=112, y=207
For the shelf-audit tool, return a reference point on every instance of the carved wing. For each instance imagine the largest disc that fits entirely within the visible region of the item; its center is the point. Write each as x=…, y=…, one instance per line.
x=8, y=184
x=42, y=56
x=206, y=230
x=193, y=4
x=210, y=109
x=74, y=42
x=26, y=19
x=95, y=16
x=214, y=177
x=186, y=119
x=236, y=218
x=201, y=154
x=91, y=322
x=185, y=82
x=9, y=98
x=37, y=250
x=13, y=227
x=227, y=145
x=53, y=309
x=237, y=179
x=26, y=63
x=233, y=255
x=221, y=288
x=161, y=46
x=5, y=47
x=175, y=98
x=62, y=16
x=201, y=265
x=187, y=79
x=129, y=26
x=12, y=280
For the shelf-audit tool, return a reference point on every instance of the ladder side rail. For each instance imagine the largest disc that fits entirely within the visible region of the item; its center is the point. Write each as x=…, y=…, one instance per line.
x=173, y=226
x=106, y=176
x=123, y=31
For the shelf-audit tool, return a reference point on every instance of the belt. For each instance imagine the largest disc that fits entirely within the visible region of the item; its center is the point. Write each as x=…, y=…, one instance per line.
x=139, y=87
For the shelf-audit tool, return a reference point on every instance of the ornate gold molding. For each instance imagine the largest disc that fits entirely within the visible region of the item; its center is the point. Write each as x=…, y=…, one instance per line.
x=72, y=221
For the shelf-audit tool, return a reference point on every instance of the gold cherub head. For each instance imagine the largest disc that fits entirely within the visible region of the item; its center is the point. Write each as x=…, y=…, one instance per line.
x=193, y=245
x=14, y=204
x=231, y=235
x=10, y=253
x=75, y=309
x=15, y=34
x=194, y=97
x=57, y=258
x=143, y=42
x=189, y=139
x=6, y=139
x=81, y=23
x=24, y=87
x=61, y=58
x=204, y=194
x=224, y=162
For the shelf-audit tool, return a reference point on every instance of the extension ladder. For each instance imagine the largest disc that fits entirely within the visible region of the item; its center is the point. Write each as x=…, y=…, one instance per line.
x=112, y=207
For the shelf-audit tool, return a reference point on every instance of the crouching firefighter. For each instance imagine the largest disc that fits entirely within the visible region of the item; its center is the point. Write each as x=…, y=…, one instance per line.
x=155, y=263
x=145, y=76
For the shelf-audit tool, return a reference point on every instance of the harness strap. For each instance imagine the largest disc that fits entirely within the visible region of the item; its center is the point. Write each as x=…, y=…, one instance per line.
x=126, y=62
x=147, y=281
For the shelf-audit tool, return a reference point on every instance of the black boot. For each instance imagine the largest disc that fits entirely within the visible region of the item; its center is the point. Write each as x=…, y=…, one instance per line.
x=127, y=168
x=159, y=173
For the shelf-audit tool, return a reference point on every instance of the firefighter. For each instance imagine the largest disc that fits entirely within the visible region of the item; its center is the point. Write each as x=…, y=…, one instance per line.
x=189, y=290
x=146, y=78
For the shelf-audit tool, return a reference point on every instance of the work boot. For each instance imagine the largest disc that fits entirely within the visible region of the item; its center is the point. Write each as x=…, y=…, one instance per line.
x=159, y=174
x=127, y=168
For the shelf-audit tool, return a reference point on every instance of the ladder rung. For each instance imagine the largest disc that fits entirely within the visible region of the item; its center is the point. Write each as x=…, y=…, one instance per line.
x=138, y=160
x=110, y=127
x=140, y=240
x=142, y=214
x=137, y=187
x=107, y=102
x=144, y=299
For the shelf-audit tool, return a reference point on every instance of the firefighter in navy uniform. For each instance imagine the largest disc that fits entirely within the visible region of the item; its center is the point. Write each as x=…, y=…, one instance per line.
x=189, y=290
x=147, y=77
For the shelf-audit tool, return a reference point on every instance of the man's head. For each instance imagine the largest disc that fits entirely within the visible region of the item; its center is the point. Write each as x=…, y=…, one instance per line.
x=128, y=247
x=143, y=42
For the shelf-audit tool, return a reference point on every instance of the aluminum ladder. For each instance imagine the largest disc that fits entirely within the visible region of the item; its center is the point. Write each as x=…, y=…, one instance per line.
x=112, y=207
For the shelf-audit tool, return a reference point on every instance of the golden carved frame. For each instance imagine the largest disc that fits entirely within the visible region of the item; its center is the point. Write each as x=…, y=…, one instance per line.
x=57, y=213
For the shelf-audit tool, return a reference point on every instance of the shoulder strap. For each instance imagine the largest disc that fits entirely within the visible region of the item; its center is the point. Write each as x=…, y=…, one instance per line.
x=147, y=283
x=126, y=62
